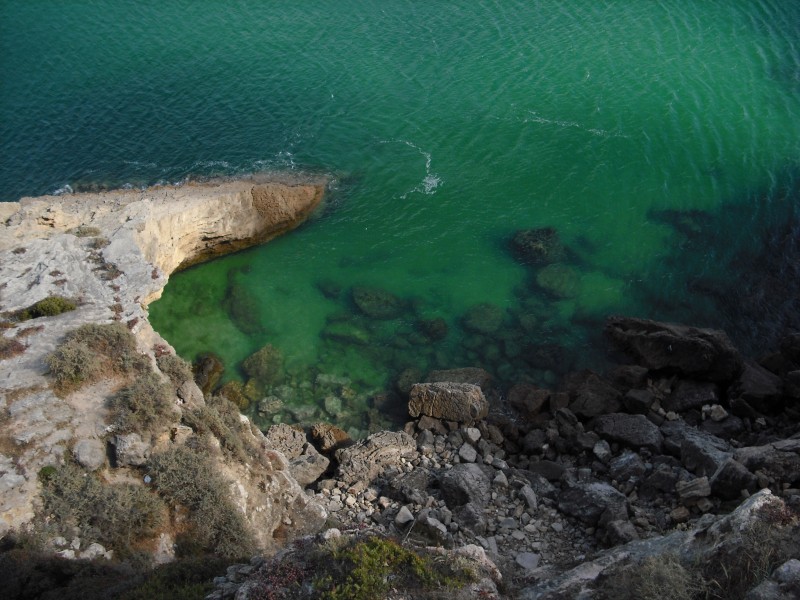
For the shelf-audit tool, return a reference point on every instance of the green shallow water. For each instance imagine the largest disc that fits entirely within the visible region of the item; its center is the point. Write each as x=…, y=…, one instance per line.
x=660, y=139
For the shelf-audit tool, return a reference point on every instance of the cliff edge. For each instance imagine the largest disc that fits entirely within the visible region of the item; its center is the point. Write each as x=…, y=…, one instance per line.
x=111, y=254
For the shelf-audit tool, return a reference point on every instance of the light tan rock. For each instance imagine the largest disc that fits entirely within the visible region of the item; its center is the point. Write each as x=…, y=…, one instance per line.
x=139, y=238
x=462, y=402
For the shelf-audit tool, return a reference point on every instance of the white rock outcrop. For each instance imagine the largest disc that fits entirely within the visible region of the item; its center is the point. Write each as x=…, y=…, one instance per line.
x=113, y=252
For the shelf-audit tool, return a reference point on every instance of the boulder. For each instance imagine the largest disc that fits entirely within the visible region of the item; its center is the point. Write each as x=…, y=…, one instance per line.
x=779, y=461
x=588, y=501
x=759, y=388
x=362, y=462
x=377, y=303
x=631, y=430
x=592, y=395
x=466, y=484
x=638, y=402
x=433, y=329
x=700, y=452
x=191, y=395
x=460, y=402
x=329, y=438
x=528, y=399
x=265, y=365
x=538, y=246
x=308, y=466
x=705, y=354
x=559, y=280
x=626, y=467
x=208, y=370
x=687, y=395
x=288, y=439
x=731, y=479
x=90, y=453
x=130, y=450
x=346, y=333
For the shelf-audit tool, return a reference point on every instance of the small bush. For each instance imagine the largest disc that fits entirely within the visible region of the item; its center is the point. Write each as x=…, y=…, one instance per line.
x=51, y=306
x=656, y=578
x=10, y=348
x=92, y=350
x=73, y=364
x=115, y=515
x=187, y=579
x=186, y=477
x=221, y=419
x=369, y=568
x=174, y=367
x=144, y=404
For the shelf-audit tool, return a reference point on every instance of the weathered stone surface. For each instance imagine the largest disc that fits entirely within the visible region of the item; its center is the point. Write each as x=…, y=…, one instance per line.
x=474, y=375
x=466, y=483
x=588, y=501
x=731, y=479
x=90, y=453
x=758, y=387
x=365, y=460
x=693, y=546
x=592, y=395
x=286, y=439
x=461, y=402
x=691, y=491
x=191, y=394
x=700, y=452
x=638, y=402
x=691, y=394
x=689, y=351
x=631, y=430
x=130, y=450
x=779, y=460
x=528, y=399
x=627, y=466
x=149, y=234
x=309, y=466
x=329, y=438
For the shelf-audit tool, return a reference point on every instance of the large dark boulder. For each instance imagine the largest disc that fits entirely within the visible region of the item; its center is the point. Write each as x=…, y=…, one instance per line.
x=759, y=388
x=461, y=402
x=704, y=354
x=700, y=452
x=632, y=430
x=588, y=501
x=687, y=395
x=466, y=483
x=592, y=396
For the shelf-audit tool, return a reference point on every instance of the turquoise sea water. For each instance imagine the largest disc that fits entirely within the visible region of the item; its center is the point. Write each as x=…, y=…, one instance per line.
x=660, y=139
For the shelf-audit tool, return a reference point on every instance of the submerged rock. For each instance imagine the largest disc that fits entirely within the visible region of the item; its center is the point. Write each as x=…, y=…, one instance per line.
x=559, y=280
x=483, y=318
x=377, y=303
x=265, y=365
x=208, y=371
x=689, y=351
x=537, y=246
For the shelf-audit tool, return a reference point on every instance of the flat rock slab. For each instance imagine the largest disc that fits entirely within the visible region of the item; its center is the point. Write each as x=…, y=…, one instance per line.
x=631, y=430
x=461, y=402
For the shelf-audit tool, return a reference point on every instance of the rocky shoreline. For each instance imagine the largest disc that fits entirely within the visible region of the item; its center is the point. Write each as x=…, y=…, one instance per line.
x=681, y=464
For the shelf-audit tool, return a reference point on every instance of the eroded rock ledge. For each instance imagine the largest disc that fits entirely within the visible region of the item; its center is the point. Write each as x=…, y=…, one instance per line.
x=112, y=253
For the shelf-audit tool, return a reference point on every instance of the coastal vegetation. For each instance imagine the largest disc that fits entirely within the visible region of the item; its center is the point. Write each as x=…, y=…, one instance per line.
x=91, y=351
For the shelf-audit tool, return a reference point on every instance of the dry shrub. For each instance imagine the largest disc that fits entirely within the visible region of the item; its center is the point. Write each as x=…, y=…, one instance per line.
x=93, y=350
x=10, y=348
x=186, y=477
x=143, y=405
x=115, y=515
x=178, y=370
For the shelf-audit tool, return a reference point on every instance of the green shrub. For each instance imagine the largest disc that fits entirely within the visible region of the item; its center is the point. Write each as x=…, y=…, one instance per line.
x=144, y=404
x=187, y=477
x=51, y=306
x=115, y=515
x=174, y=367
x=369, y=568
